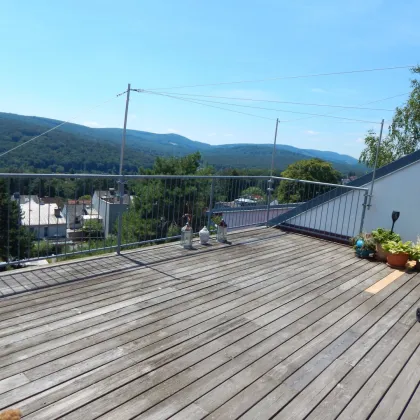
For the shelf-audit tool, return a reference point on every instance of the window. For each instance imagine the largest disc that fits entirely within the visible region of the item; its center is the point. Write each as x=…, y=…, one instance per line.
x=45, y=231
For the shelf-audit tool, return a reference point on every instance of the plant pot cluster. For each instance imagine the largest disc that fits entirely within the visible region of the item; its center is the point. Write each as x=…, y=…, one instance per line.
x=364, y=245
x=398, y=253
x=387, y=246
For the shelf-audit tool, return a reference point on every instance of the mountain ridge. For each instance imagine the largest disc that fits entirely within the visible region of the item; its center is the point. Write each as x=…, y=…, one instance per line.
x=144, y=146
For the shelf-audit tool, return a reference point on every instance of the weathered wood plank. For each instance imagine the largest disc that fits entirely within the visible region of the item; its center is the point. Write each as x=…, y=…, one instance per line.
x=379, y=382
x=160, y=339
x=208, y=282
x=394, y=401
x=172, y=353
x=78, y=270
x=270, y=296
x=339, y=366
x=342, y=393
x=184, y=264
x=209, y=363
x=269, y=373
x=268, y=293
x=412, y=412
x=188, y=285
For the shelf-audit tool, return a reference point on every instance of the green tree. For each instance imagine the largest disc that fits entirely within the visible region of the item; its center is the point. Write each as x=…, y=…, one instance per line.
x=15, y=239
x=309, y=170
x=92, y=229
x=255, y=193
x=387, y=152
x=86, y=197
x=161, y=206
x=403, y=133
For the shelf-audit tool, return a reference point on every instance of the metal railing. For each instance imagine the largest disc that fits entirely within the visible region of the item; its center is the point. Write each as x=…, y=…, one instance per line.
x=50, y=216
x=327, y=210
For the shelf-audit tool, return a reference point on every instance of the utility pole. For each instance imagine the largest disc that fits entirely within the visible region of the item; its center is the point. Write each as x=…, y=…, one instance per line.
x=124, y=129
x=121, y=180
x=378, y=146
x=270, y=181
x=274, y=148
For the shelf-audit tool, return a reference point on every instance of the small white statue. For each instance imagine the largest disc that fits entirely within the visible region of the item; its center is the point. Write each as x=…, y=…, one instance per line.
x=204, y=235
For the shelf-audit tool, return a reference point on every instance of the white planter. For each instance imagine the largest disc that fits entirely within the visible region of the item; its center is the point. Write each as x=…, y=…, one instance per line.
x=204, y=235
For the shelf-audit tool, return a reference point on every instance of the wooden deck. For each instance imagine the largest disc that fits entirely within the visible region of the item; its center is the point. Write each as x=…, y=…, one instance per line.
x=275, y=325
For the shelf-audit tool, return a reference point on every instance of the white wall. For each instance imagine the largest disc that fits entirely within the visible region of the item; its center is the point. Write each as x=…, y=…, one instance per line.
x=58, y=230
x=398, y=191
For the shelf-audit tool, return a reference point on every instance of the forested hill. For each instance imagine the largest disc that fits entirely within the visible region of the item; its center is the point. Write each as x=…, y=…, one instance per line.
x=78, y=148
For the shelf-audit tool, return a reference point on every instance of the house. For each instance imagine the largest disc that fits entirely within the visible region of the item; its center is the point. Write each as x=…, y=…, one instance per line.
x=395, y=188
x=74, y=210
x=43, y=220
x=107, y=205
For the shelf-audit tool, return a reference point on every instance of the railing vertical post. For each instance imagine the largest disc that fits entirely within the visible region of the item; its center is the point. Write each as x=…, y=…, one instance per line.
x=378, y=146
x=121, y=179
x=365, y=204
x=210, y=203
x=269, y=191
x=120, y=214
x=9, y=210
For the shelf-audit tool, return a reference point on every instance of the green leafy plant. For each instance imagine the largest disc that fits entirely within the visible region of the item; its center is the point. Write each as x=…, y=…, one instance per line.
x=381, y=236
x=398, y=247
x=415, y=252
x=93, y=229
x=368, y=242
x=215, y=221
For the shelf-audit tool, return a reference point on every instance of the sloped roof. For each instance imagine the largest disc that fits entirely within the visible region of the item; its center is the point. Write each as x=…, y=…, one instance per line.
x=359, y=182
x=387, y=169
x=35, y=214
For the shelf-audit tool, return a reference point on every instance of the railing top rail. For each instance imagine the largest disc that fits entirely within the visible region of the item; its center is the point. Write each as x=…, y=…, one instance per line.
x=126, y=177
x=139, y=177
x=350, y=187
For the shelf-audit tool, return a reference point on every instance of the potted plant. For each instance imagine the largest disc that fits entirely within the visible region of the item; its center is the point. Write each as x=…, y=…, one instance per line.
x=381, y=236
x=415, y=254
x=364, y=245
x=398, y=252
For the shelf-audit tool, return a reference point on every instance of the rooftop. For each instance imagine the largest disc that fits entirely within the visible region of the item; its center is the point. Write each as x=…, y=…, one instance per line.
x=37, y=213
x=111, y=196
x=275, y=325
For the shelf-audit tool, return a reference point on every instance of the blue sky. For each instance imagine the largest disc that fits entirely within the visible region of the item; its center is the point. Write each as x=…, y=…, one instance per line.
x=61, y=58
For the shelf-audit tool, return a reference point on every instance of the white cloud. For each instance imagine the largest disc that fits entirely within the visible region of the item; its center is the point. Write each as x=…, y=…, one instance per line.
x=171, y=130
x=311, y=132
x=318, y=90
x=228, y=135
x=360, y=140
x=92, y=124
x=211, y=134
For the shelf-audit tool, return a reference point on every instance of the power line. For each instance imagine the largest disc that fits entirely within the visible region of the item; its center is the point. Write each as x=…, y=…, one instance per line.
x=286, y=77
x=365, y=103
x=57, y=126
x=278, y=102
x=199, y=101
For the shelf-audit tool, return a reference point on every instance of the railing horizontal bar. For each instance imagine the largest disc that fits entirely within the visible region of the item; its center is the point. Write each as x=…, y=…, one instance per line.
x=320, y=183
x=125, y=177
x=53, y=256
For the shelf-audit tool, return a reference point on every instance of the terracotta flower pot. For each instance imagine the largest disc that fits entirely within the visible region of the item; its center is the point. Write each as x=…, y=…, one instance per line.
x=381, y=254
x=397, y=260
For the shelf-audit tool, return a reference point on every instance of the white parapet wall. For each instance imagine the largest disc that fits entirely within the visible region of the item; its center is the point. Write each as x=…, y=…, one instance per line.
x=398, y=190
